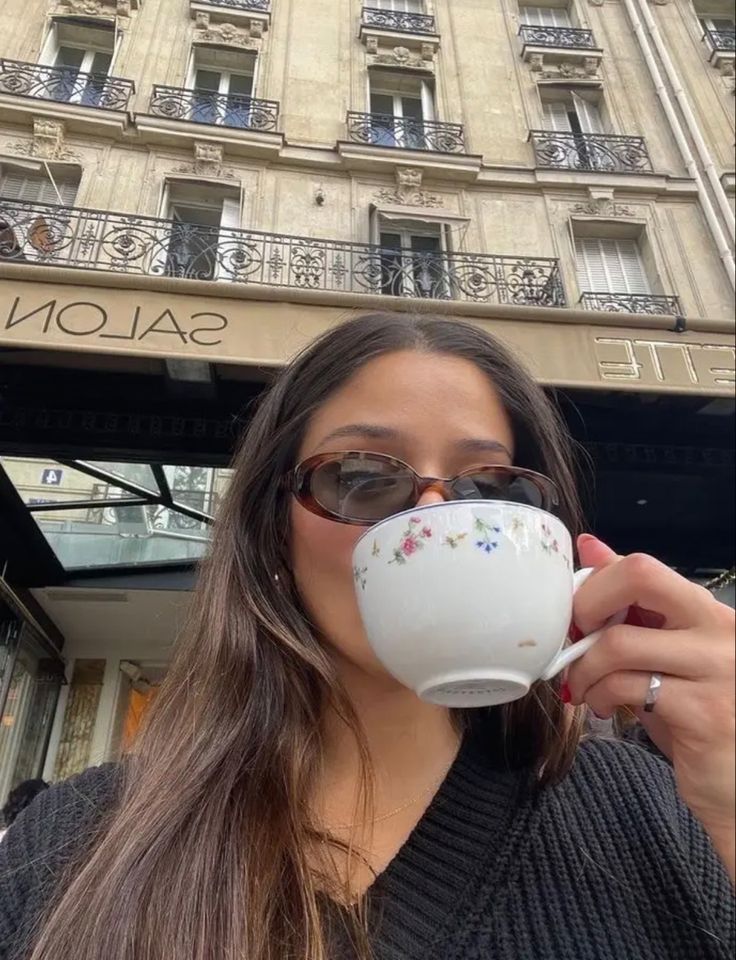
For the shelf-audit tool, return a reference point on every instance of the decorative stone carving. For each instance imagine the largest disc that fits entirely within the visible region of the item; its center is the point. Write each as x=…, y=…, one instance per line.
x=123, y=8
x=47, y=143
x=408, y=190
x=536, y=62
x=207, y=158
x=726, y=68
x=48, y=138
x=255, y=28
x=371, y=45
x=202, y=21
x=601, y=203
x=208, y=162
x=570, y=71
x=400, y=57
x=427, y=51
x=226, y=34
x=590, y=66
x=91, y=8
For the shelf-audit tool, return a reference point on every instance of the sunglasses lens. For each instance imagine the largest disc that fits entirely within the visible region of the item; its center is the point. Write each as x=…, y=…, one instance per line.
x=362, y=488
x=501, y=485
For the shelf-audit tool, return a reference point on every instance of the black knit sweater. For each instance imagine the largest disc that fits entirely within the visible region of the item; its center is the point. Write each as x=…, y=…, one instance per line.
x=608, y=865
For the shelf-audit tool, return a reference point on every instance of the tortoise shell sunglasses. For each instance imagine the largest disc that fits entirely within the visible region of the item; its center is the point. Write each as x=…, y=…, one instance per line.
x=358, y=487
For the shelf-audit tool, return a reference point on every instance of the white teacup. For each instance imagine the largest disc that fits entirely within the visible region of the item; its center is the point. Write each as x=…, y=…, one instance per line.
x=469, y=602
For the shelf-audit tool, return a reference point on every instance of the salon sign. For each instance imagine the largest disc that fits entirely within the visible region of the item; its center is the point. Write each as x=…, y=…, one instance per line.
x=269, y=333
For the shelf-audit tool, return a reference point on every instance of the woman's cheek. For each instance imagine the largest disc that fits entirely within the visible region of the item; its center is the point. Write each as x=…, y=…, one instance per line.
x=322, y=565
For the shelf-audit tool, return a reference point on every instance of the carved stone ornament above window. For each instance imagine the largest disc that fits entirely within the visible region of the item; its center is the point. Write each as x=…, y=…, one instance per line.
x=96, y=8
x=408, y=190
x=601, y=203
x=401, y=57
x=47, y=143
x=587, y=69
x=228, y=34
x=208, y=162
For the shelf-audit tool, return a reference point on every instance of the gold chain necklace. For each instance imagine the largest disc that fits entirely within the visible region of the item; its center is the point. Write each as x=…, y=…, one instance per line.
x=404, y=806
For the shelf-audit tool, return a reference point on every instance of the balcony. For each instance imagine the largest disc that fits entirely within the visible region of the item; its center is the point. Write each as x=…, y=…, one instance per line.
x=244, y=6
x=225, y=110
x=722, y=46
x=607, y=153
x=568, y=38
x=405, y=133
x=246, y=125
x=653, y=304
x=721, y=41
x=34, y=233
x=541, y=46
x=67, y=93
x=397, y=22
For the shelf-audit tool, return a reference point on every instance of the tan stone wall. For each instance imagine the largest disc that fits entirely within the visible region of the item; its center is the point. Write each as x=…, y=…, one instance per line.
x=313, y=62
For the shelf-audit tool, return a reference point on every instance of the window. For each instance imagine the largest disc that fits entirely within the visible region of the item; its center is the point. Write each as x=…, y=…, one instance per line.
x=397, y=6
x=413, y=261
x=202, y=219
x=719, y=32
x=223, y=82
x=610, y=266
x=572, y=113
x=399, y=108
x=27, y=233
x=545, y=16
x=83, y=51
x=16, y=184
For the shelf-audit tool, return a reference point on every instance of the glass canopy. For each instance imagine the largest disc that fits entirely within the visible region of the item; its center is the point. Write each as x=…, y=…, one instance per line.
x=97, y=514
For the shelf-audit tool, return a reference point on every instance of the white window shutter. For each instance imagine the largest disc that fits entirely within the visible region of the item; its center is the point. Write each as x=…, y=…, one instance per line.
x=633, y=269
x=227, y=238
x=560, y=16
x=36, y=188
x=555, y=115
x=588, y=115
x=427, y=101
x=609, y=266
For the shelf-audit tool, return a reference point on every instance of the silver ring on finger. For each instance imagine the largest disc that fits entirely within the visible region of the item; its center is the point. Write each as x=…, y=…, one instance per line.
x=655, y=685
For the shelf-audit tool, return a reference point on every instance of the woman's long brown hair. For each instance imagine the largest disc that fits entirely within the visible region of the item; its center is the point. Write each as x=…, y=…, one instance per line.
x=205, y=854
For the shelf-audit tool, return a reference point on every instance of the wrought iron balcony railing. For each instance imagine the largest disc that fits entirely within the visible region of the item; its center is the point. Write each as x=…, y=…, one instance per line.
x=65, y=85
x=721, y=41
x=632, y=303
x=590, y=151
x=540, y=36
x=222, y=109
x=260, y=6
x=398, y=21
x=126, y=243
x=385, y=130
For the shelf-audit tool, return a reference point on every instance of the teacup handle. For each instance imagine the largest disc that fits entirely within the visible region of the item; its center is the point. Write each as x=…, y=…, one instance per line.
x=571, y=653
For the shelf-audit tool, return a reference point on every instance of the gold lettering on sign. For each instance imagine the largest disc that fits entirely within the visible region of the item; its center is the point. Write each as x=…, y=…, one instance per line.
x=665, y=361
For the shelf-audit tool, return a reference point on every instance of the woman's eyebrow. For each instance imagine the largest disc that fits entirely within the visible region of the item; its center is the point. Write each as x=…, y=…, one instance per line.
x=371, y=431
x=478, y=445
x=374, y=431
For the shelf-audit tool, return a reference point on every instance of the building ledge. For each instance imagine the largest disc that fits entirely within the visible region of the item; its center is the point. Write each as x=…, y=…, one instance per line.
x=237, y=141
x=728, y=182
x=37, y=274
x=357, y=156
x=372, y=37
x=587, y=57
x=636, y=182
x=17, y=109
x=255, y=21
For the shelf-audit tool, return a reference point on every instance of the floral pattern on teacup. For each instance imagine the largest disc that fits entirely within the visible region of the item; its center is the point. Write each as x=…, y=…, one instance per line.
x=485, y=535
x=454, y=540
x=412, y=540
x=359, y=576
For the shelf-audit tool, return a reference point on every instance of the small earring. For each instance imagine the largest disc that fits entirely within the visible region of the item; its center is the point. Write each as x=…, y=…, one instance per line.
x=276, y=577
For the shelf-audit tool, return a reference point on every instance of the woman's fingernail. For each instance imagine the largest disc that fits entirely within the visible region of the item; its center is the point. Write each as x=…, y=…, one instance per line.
x=575, y=633
x=565, y=694
x=586, y=538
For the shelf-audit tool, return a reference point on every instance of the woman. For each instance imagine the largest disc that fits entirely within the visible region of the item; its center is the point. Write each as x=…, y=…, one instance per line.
x=288, y=800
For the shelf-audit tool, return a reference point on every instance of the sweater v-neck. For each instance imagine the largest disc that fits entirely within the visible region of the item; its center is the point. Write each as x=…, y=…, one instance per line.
x=460, y=837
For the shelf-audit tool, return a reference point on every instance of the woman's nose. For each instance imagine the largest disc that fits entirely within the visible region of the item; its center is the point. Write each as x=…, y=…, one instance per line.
x=432, y=495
